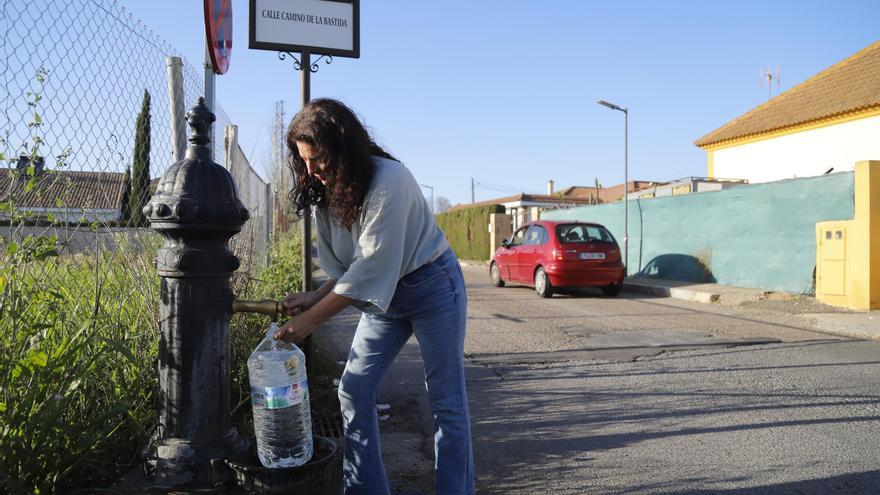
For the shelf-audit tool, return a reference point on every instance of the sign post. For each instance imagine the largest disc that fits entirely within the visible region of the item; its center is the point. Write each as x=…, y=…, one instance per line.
x=326, y=27
x=218, y=49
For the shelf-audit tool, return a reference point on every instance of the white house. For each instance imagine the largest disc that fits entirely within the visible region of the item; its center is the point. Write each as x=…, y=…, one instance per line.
x=827, y=123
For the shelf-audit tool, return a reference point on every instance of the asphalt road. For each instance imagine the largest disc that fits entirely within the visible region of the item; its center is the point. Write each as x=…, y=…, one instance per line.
x=582, y=394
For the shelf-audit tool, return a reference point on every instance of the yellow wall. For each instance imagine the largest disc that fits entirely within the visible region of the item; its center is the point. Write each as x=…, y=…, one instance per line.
x=684, y=189
x=711, y=156
x=848, y=268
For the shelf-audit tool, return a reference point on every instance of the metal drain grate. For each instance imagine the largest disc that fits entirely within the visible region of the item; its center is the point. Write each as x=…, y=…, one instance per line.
x=327, y=425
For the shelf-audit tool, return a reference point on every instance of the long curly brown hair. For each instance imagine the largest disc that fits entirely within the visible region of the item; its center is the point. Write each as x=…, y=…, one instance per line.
x=333, y=130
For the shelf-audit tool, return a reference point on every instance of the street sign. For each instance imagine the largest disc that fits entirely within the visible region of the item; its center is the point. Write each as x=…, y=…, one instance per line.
x=324, y=27
x=218, y=30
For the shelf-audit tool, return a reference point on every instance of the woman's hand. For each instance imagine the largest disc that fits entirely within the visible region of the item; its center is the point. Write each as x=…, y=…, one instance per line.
x=309, y=310
x=296, y=329
x=298, y=302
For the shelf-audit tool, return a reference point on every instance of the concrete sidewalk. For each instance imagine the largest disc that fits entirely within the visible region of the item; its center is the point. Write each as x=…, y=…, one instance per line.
x=691, y=291
x=825, y=318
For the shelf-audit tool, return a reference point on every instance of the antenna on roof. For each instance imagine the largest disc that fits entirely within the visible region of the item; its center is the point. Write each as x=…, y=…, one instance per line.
x=769, y=75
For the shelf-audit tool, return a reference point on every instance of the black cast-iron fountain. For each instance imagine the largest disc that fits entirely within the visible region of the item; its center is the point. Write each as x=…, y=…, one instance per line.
x=196, y=209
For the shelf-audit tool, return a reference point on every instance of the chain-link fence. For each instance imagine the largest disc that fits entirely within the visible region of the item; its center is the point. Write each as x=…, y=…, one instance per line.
x=252, y=244
x=88, y=94
x=87, y=132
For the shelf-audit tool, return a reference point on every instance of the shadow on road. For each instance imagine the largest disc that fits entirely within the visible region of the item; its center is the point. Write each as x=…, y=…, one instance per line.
x=852, y=483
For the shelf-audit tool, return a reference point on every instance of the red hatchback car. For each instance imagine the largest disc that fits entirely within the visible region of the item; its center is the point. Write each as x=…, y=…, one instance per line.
x=551, y=255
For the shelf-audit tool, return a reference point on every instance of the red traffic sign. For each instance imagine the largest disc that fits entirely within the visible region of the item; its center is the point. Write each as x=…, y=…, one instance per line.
x=218, y=30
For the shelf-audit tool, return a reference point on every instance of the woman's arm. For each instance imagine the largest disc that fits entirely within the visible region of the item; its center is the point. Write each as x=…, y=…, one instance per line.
x=301, y=326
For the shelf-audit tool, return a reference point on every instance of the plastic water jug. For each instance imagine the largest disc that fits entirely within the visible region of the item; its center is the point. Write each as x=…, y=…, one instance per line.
x=280, y=400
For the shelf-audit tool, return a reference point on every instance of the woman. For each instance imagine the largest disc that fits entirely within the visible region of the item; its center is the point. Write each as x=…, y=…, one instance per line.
x=384, y=254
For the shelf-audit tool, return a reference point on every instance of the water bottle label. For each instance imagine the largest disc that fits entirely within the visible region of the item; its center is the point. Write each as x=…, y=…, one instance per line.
x=280, y=397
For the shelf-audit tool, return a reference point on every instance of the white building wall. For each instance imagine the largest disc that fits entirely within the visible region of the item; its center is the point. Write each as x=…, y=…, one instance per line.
x=801, y=154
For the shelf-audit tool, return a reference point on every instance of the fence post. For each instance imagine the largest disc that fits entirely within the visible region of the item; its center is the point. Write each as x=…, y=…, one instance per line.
x=175, y=107
x=500, y=228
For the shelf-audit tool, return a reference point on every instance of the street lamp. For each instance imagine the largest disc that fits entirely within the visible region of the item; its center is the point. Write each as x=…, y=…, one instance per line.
x=432, y=197
x=625, y=179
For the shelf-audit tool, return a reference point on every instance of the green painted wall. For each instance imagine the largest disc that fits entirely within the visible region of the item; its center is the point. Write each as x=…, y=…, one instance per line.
x=760, y=235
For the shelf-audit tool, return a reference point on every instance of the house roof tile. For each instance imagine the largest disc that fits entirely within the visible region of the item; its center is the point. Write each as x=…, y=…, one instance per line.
x=74, y=189
x=849, y=86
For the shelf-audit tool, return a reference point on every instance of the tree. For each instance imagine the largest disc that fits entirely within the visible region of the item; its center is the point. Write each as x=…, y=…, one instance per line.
x=126, y=198
x=140, y=170
x=443, y=204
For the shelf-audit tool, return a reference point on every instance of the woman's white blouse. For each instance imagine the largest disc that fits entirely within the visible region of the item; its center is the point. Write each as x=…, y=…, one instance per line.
x=394, y=235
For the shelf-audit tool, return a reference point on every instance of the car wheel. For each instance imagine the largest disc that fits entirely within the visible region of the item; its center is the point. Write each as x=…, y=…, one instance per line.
x=542, y=284
x=495, y=273
x=611, y=290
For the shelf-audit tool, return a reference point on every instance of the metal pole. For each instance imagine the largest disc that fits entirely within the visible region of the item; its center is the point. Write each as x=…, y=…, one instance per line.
x=626, y=189
x=625, y=178
x=472, y=190
x=308, y=346
x=307, y=215
x=176, y=107
x=210, y=95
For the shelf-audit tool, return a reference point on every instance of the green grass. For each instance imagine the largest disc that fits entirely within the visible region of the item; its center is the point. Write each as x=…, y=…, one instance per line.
x=78, y=342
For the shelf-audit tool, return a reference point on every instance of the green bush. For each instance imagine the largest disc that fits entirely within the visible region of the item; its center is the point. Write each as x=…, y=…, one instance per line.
x=467, y=230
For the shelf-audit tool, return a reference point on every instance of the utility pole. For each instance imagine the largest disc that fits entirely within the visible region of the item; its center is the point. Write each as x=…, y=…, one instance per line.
x=280, y=181
x=432, y=196
x=472, y=190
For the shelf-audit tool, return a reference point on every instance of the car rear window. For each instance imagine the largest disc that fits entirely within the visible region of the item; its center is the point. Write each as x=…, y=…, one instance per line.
x=576, y=232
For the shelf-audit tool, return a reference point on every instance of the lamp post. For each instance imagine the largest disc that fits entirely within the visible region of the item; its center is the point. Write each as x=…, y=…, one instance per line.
x=432, y=197
x=625, y=179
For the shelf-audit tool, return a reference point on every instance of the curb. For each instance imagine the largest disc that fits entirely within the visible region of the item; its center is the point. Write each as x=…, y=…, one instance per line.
x=478, y=264
x=673, y=292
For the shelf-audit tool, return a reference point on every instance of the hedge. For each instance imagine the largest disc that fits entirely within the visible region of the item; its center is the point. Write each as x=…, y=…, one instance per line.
x=467, y=230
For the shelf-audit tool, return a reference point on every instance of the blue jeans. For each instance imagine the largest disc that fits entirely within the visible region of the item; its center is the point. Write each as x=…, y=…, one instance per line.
x=430, y=303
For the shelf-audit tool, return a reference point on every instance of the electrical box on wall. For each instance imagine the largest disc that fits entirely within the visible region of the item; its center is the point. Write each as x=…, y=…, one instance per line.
x=832, y=264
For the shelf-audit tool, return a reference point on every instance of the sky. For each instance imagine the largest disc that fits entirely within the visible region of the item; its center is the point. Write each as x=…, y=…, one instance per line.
x=504, y=92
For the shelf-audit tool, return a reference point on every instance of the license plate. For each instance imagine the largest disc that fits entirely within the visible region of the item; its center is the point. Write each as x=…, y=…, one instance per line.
x=592, y=256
